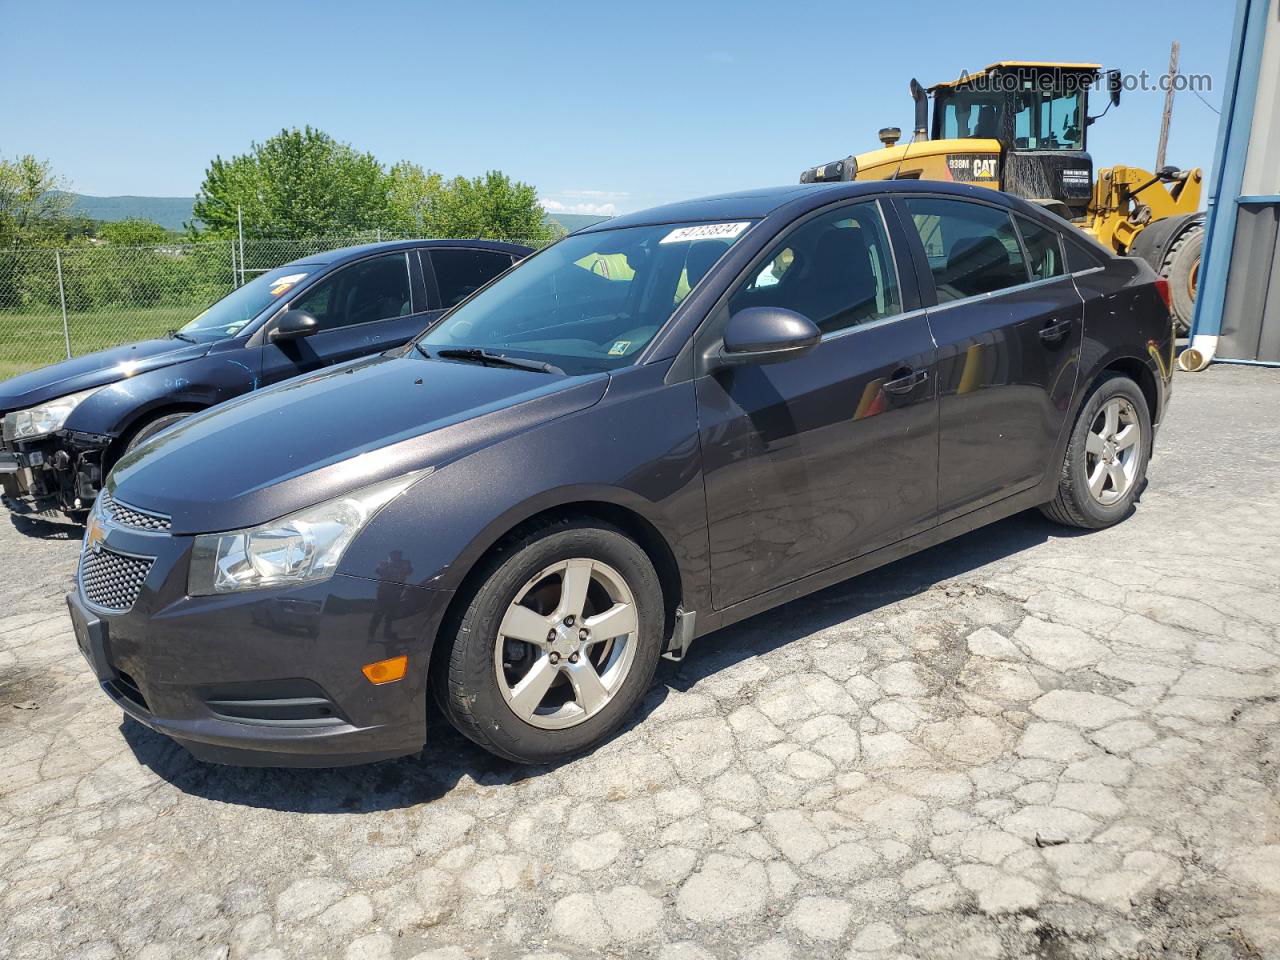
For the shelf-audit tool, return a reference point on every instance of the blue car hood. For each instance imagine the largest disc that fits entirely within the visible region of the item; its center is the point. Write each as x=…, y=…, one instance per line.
x=313, y=438
x=94, y=370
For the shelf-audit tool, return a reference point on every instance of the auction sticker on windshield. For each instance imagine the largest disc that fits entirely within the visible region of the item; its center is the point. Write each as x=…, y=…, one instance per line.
x=706, y=231
x=285, y=284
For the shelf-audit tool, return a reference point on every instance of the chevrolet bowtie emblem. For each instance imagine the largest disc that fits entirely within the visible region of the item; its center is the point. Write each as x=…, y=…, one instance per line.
x=94, y=535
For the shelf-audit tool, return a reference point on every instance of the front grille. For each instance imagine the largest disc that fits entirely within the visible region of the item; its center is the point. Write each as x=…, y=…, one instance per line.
x=127, y=516
x=112, y=580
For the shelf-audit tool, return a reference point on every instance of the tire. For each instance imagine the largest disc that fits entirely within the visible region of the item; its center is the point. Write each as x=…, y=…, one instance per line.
x=149, y=430
x=476, y=676
x=1075, y=504
x=1181, y=268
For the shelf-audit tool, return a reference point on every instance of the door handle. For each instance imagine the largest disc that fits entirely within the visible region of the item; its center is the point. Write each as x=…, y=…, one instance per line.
x=1055, y=330
x=905, y=380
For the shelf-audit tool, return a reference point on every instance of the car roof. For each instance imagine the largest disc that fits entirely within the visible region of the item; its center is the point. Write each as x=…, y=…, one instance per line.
x=344, y=254
x=794, y=200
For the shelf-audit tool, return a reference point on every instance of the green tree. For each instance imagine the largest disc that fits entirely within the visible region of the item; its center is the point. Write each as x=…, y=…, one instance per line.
x=133, y=232
x=493, y=206
x=413, y=193
x=33, y=202
x=299, y=183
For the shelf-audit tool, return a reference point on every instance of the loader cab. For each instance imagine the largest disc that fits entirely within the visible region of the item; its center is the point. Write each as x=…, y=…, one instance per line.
x=1038, y=115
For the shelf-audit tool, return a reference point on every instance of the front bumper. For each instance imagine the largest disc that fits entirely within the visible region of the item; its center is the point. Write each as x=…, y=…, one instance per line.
x=264, y=678
x=62, y=471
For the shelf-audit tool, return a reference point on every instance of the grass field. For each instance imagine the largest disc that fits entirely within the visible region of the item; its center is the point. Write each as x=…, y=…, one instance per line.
x=35, y=339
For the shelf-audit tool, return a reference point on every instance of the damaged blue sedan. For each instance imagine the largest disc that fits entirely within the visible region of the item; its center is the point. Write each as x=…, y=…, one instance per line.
x=65, y=426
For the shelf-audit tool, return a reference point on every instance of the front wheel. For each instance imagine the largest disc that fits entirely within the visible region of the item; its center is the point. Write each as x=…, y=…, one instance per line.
x=1105, y=465
x=558, y=643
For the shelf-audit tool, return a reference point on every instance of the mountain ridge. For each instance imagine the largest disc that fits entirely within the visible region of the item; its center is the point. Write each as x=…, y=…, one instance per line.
x=173, y=213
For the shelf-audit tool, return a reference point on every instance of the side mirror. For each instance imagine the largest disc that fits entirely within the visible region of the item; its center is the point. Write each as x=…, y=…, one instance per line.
x=767, y=335
x=1114, y=85
x=294, y=325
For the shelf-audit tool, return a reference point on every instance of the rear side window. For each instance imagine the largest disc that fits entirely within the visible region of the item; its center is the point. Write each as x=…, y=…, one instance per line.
x=1044, y=253
x=836, y=269
x=972, y=248
x=460, y=273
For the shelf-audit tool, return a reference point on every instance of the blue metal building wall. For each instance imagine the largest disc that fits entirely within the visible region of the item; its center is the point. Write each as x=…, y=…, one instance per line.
x=1228, y=206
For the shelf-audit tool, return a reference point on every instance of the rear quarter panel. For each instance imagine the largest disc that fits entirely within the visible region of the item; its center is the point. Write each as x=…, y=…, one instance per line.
x=1125, y=319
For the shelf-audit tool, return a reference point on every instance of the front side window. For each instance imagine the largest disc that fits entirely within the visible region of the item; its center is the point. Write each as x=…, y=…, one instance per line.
x=1044, y=254
x=373, y=289
x=836, y=269
x=460, y=273
x=233, y=313
x=592, y=301
x=972, y=248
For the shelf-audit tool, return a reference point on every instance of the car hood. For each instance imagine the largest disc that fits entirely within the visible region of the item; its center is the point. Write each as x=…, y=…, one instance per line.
x=94, y=370
x=313, y=438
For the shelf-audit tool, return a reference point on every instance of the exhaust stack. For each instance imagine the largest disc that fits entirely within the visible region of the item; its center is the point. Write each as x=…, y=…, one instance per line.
x=921, y=98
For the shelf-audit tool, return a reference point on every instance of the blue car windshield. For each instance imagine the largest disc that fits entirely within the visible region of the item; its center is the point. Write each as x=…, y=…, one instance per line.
x=591, y=302
x=232, y=313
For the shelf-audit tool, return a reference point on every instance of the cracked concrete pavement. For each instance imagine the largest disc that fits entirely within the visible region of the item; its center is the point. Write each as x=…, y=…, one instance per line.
x=1021, y=743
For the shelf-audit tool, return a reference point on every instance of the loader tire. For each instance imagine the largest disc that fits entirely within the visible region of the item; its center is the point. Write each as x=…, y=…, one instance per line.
x=1181, y=267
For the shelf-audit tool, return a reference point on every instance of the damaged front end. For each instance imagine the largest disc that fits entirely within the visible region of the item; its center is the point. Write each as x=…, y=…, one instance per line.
x=46, y=467
x=62, y=471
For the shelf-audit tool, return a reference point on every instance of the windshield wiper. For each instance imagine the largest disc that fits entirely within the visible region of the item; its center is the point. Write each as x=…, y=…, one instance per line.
x=179, y=335
x=476, y=355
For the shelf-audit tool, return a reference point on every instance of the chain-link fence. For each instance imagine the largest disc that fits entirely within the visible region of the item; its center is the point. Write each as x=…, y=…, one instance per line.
x=57, y=304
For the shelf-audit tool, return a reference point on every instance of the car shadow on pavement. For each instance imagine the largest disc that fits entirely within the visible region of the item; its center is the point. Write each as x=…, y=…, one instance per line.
x=40, y=528
x=450, y=761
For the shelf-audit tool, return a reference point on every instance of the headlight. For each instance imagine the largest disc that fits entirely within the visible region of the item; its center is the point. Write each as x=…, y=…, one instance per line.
x=44, y=419
x=300, y=548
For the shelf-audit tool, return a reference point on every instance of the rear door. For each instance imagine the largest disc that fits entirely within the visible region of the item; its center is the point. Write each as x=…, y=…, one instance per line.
x=1008, y=322
x=819, y=459
x=362, y=308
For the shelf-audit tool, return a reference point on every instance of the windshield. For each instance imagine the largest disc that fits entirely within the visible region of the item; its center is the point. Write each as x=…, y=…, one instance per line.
x=229, y=315
x=591, y=302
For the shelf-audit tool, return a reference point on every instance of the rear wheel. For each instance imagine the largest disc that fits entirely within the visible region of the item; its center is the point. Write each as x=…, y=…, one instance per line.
x=1105, y=465
x=557, y=644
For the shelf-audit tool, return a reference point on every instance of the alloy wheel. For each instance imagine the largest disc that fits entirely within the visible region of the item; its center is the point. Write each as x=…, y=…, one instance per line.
x=1113, y=447
x=566, y=643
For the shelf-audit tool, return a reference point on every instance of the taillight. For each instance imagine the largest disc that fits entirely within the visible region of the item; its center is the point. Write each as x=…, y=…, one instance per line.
x=1162, y=288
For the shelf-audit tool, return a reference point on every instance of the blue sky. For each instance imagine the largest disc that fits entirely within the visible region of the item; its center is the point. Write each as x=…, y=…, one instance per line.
x=604, y=107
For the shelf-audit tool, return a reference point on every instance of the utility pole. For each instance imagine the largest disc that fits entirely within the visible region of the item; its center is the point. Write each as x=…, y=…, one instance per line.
x=1168, y=105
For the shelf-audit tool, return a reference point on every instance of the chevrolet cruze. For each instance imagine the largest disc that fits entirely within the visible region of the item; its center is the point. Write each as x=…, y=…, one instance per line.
x=652, y=429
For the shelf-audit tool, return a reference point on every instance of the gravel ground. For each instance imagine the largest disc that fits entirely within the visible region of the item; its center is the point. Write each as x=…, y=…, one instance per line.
x=1021, y=743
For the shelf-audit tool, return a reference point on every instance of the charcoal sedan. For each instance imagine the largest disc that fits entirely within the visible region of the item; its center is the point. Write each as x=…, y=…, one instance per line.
x=64, y=426
x=654, y=428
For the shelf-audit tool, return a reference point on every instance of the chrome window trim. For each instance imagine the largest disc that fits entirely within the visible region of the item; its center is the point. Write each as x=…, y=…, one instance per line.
x=977, y=298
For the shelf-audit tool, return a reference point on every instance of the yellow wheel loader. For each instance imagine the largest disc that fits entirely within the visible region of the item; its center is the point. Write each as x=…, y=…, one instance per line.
x=1022, y=127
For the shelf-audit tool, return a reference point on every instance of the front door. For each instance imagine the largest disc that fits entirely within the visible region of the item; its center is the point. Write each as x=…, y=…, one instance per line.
x=820, y=459
x=1008, y=322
